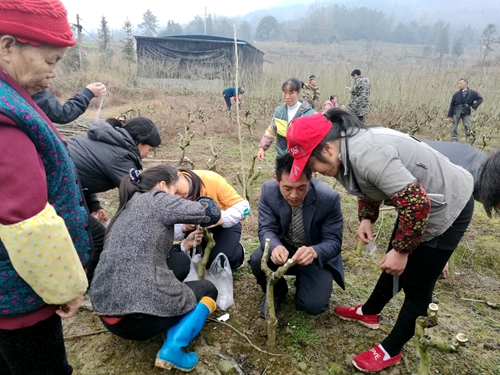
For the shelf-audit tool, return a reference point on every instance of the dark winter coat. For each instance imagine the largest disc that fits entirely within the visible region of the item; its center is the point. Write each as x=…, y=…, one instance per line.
x=102, y=157
x=63, y=113
x=471, y=99
x=464, y=155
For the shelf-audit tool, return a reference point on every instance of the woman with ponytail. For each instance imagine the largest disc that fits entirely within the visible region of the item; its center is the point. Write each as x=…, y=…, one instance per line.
x=432, y=197
x=135, y=292
x=102, y=157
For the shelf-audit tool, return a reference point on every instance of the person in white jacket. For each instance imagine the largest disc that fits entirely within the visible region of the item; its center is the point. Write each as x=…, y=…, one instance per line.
x=227, y=232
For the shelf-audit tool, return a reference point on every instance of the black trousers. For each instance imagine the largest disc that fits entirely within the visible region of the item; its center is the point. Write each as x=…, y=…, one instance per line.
x=97, y=234
x=424, y=266
x=143, y=327
x=35, y=350
x=313, y=283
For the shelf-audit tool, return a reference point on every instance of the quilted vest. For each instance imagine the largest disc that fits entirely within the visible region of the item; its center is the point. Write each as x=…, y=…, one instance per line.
x=16, y=296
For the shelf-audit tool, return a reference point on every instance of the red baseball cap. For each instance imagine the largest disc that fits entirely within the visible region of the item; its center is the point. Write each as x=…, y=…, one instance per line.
x=303, y=136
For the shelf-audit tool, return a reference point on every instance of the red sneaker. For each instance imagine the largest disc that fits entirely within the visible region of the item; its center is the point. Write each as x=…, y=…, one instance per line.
x=373, y=360
x=349, y=313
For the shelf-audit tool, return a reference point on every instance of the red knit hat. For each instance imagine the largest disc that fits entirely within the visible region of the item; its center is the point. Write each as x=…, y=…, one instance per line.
x=36, y=22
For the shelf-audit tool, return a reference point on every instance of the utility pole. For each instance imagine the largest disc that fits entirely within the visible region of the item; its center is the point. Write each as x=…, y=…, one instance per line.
x=79, y=38
x=78, y=29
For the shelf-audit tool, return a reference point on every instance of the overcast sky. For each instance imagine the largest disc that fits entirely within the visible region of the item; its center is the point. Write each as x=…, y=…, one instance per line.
x=181, y=11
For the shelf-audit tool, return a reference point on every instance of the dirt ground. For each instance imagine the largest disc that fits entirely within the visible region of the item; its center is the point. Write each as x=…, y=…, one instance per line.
x=305, y=345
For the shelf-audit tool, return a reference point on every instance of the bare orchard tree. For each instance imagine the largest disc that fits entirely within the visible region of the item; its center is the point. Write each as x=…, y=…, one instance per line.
x=149, y=24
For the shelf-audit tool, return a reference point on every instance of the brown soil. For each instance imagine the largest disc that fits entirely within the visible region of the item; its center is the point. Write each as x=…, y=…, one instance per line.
x=312, y=345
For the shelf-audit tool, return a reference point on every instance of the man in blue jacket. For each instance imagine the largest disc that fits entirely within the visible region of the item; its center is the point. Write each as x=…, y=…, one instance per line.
x=304, y=222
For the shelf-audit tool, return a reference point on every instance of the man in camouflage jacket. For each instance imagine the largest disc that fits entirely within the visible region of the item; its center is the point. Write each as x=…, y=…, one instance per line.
x=310, y=91
x=360, y=95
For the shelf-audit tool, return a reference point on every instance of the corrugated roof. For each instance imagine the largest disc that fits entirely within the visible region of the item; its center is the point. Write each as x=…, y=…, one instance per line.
x=200, y=38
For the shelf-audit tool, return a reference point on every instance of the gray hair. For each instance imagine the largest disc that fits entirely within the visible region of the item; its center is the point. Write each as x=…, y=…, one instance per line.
x=464, y=79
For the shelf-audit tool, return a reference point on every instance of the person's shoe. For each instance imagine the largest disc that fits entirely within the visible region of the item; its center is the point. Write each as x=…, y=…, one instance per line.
x=373, y=360
x=263, y=306
x=349, y=313
x=171, y=354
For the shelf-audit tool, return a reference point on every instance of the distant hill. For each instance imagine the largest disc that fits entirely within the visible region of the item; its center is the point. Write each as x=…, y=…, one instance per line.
x=477, y=13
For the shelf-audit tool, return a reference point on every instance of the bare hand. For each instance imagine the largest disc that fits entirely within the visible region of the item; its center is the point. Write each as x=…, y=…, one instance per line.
x=445, y=273
x=220, y=222
x=394, y=263
x=365, y=231
x=100, y=215
x=472, y=109
x=98, y=89
x=186, y=228
x=304, y=255
x=450, y=118
x=70, y=309
x=193, y=239
x=261, y=155
x=279, y=255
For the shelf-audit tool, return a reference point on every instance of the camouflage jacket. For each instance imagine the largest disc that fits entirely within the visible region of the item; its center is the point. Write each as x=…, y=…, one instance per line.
x=310, y=93
x=360, y=94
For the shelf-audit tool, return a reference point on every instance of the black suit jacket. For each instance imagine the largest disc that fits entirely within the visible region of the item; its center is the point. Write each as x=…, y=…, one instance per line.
x=323, y=222
x=471, y=100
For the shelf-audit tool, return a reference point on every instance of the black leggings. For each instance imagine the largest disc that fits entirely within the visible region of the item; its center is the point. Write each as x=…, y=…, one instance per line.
x=143, y=327
x=35, y=350
x=424, y=266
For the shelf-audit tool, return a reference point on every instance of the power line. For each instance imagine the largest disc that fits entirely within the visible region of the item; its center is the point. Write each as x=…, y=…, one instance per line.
x=83, y=28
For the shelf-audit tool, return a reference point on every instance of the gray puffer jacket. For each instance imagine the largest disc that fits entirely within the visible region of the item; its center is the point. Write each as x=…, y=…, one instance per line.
x=102, y=157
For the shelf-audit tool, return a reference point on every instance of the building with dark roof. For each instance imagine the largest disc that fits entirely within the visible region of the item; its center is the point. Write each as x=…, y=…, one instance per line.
x=195, y=56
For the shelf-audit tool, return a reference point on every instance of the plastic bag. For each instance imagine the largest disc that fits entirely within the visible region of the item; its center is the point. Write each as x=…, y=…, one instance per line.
x=193, y=270
x=222, y=278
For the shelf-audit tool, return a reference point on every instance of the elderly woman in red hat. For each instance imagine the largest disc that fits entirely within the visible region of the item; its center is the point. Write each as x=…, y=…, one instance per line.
x=43, y=239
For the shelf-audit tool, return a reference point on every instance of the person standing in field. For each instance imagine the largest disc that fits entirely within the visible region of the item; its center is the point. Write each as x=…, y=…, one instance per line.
x=229, y=93
x=292, y=108
x=431, y=195
x=360, y=95
x=310, y=91
x=463, y=102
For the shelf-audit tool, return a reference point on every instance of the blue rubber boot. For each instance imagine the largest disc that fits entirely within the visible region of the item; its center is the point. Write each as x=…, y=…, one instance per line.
x=179, y=336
